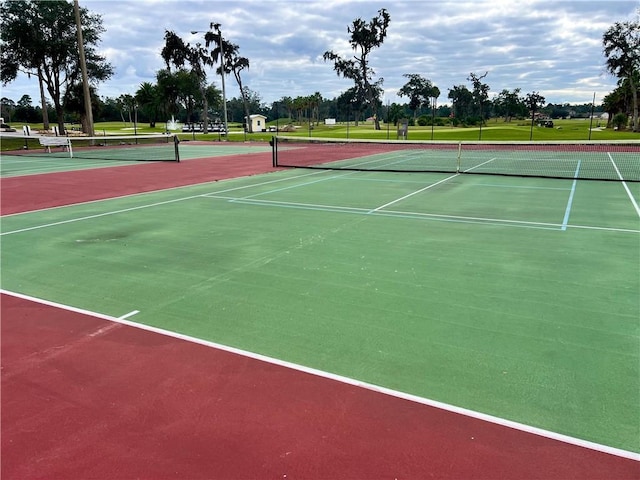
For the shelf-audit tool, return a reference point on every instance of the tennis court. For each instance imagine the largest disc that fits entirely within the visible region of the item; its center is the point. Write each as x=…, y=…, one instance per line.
x=107, y=151
x=513, y=297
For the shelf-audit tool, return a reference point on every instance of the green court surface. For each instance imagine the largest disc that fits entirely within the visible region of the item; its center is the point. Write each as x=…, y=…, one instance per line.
x=39, y=161
x=515, y=297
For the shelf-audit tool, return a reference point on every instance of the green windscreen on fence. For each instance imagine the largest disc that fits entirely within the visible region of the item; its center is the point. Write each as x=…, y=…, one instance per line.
x=588, y=160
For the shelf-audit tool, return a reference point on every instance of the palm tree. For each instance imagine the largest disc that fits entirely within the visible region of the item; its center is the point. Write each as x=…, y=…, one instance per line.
x=230, y=62
x=299, y=105
x=314, y=104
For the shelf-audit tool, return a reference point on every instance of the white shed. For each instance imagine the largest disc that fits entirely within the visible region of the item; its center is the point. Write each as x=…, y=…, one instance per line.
x=258, y=123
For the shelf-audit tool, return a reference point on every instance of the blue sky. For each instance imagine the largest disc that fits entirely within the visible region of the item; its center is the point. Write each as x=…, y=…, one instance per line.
x=554, y=48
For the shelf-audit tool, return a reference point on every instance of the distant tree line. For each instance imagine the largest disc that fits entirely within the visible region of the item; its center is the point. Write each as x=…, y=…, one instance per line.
x=298, y=110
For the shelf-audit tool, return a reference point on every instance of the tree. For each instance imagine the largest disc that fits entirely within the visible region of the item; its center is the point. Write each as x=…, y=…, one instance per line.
x=230, y=62
x=533, y=101
x=419, y=90
x=7, y=107
x=300, y=105
x=191, y=95
x=364, y=38
x=25, y=111
x=287, y=103
x=620, y=121
x=214, y=99
x=462, y=100
x=351, y=102
x=395, y=112
x=480, y=92
x=40, y=39
x=508, y=104
x=180, y=54
x=314, y=104
x=148, y=97
x=126, y=106
x=621, y=46
x=74, y=102
x=616, y=102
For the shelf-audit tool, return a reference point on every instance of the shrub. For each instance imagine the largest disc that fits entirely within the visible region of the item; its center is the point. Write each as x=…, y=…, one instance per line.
x=620, y=121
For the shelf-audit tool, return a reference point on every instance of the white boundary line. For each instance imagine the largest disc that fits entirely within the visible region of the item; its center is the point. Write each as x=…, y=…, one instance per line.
x=415, y=215
x=249, y=200
x=152, y=192
x=624, y=184
x=567, y=210
x=332, y=208
x=139, y=207
x=346, y=380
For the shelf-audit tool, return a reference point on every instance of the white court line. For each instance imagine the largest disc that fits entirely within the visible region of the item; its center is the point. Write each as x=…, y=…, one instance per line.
x=567, y=210
x=305, y=184
x=415, y=215
x=139, y=207
x=152, y=192
x=349, y=381
x=98, y=215
x=394, y=213
x=519, y=187
x=299, y=205
x=479, y=165
x=624, y=184
x=413, y=193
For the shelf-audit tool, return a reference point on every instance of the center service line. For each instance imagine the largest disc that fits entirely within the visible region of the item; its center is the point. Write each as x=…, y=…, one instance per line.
x=567, y=211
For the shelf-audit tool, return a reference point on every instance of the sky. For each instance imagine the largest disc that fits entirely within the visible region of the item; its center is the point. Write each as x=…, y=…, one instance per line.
x=550, y=47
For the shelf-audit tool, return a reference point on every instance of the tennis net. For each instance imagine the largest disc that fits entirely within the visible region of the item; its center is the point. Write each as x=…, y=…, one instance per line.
x=588, y=160
x=153, y=148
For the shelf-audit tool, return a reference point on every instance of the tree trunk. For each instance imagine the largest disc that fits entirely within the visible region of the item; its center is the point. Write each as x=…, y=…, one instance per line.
x=610, y=115
x=244, y=103
x=247, y=116
x=60, y=114
x=205, y=113
x=43, y=101
x=634, y=99
x=84, y=122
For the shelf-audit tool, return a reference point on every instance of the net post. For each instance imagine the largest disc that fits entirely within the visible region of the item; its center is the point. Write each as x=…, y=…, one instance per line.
x=176, y=141
x=69, y=147
x=274, y=151
x=459, y=159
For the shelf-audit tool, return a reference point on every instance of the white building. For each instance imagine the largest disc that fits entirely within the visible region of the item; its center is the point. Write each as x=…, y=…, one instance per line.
x=258, y=123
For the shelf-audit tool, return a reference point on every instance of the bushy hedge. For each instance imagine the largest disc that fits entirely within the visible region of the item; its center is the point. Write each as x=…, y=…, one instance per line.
x=426, y=120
